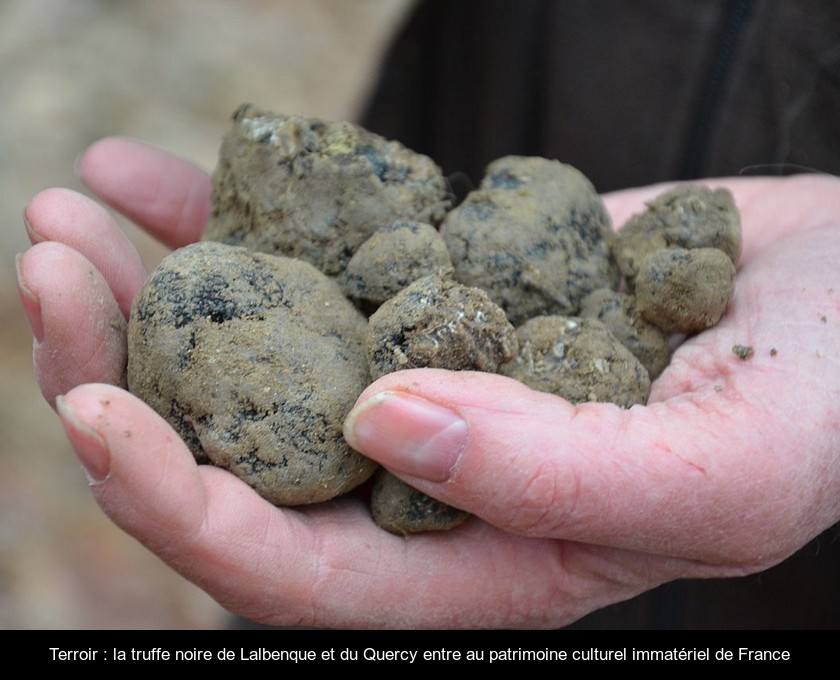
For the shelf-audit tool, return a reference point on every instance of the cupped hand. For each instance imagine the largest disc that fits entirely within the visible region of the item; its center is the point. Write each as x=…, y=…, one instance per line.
x=731, y=467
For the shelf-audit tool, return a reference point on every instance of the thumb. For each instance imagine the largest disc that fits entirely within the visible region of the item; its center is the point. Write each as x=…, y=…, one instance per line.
x=658, y=478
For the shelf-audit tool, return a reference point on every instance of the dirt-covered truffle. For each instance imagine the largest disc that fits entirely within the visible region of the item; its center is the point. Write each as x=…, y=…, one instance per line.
x=579, y=360
x=316, y=190
x=432, y=323
x=255, y=360
x=402, y=509
x=438, y=323
x=391, y=259
x=684, y=291
x=535, y=235
x=618, y=312
x=684, y=217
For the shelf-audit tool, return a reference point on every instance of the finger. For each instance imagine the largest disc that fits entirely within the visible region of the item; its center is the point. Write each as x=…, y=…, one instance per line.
x=329, y=565
x=67, y=217
x=686, y=477
x=78, y=326
x=165, y=195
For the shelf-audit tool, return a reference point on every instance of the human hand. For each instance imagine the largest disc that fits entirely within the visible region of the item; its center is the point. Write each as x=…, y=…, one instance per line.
x=580, y=506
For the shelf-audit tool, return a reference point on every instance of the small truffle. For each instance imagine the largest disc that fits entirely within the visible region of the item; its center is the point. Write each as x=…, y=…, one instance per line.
x=255, y=360
x=685, y=217
x=433, y=323
x=535, y=236
x=618, y=312
x=579, y=360
x=402, y=509
x=438, y=323
x=684, y=291
x=391, y=259
x=314, y=190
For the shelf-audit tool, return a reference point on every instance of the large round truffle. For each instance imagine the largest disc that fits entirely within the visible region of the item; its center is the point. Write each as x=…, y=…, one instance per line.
x=535, y=236
x=579, y=360
x=255, y=360
x=316, y=190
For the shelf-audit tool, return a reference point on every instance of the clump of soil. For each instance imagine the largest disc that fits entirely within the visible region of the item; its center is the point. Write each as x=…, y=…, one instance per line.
x=256, y=354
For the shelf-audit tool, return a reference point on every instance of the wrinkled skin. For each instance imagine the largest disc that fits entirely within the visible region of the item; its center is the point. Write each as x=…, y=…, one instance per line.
x=730, y=468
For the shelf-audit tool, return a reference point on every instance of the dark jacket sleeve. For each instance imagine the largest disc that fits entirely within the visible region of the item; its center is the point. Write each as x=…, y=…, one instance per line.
x=629, y=92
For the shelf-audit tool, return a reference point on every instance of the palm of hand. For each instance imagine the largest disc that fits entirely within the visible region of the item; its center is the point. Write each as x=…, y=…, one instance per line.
x=729, y=469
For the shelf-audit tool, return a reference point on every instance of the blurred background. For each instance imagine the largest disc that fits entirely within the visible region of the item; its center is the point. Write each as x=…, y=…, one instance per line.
x=170, y=72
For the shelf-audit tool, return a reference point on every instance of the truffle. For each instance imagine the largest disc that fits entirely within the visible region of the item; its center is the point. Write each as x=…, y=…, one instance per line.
x=391, y=259
x=402, y=509
x=438, y=323
x=619, y=313
x=315, y=190
x=684, y=291
x=254, y=360
x=579, y=360
x=535, y=235
x=432, y=323
x=684, y=217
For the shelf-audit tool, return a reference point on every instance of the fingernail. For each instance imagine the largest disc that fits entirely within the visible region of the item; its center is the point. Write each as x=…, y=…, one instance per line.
x=34, y=236
x=89, y=445
x=408, y=434
x=31, y=303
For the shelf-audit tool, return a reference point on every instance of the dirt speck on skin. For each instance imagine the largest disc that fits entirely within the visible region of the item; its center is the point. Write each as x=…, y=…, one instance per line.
x=744, y=352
